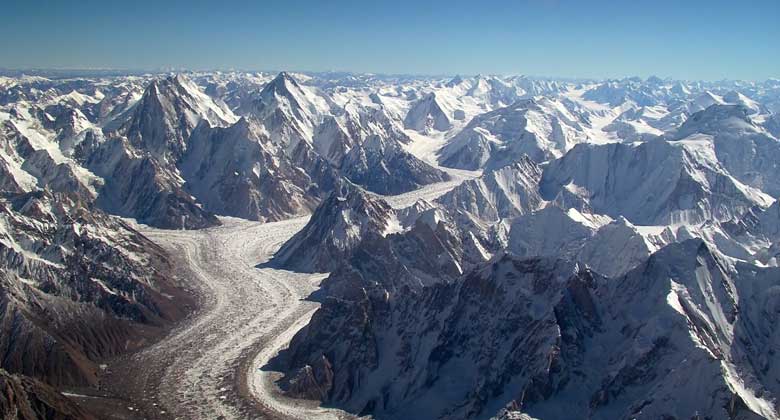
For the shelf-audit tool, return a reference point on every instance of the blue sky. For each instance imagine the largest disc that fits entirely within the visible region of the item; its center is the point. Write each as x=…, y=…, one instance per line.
x=689, y=39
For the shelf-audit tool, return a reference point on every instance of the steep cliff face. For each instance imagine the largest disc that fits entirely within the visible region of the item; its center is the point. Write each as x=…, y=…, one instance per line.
x=142, y=187
x=382, y=166
x=673, y=315
x=138, y=154
x=77, y=287
x=180, y=158
x=541, y=129
x=653, y=183
x=743, y=147
x=442, y=350
x=165, y=116
x=233, y=172
x=25, y=398
x=546, y=337
x=288, y=110
x=428, y=114
x=486, y=300
x=334, y=231
x=498, y=194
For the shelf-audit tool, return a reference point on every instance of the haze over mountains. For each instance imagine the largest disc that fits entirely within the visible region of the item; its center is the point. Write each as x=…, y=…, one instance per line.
x=505, y=247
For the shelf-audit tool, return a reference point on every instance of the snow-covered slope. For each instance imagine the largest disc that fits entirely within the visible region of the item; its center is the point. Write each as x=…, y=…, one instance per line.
x=169, y=110
x=609, y=247
x=548, y=338
x=382, y=165
x=232, y=172
x=651, y=183
x=332, y=140
x=540, y=129
x=747, y=151
x=335, y=229
x=428, y=114
x=483, y=297
x=498, y=194
x=288, y=110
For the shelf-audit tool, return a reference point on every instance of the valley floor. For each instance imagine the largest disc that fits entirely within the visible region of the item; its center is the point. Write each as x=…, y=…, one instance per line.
x=200, y=369
x=209, y=367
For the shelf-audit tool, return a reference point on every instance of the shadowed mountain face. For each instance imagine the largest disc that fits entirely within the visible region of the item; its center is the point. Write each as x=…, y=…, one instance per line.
x=177, y=157
x=382, y=166
x=504, y=247
x=77, y=287
x=28, y=399
x=581, y=279
x=427, y=114
x=335, y=229
x=545, y=336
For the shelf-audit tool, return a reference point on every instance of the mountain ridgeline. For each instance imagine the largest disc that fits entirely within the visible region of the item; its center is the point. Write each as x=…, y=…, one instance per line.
x=492, y=247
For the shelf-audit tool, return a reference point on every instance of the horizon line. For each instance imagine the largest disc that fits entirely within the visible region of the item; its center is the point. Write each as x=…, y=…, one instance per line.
x=162, y=70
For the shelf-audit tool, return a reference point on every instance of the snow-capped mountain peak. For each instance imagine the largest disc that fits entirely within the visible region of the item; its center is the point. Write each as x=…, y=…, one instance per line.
x=428, y=114
x=166, y=114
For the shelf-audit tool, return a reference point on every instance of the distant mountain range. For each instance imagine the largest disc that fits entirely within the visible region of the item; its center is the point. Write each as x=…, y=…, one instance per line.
x=607, y=248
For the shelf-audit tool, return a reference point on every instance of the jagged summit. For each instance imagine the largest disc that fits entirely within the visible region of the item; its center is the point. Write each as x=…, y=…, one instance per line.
x=233, y=171
x=743, y=147
x=335, y=228
x=585, y=241
x=283, y=85
x=428, y=114
x=166, y=114
x=705, y=100
x=498, y=194
x=382, y=165
x=455, y=81
x=288, y=110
